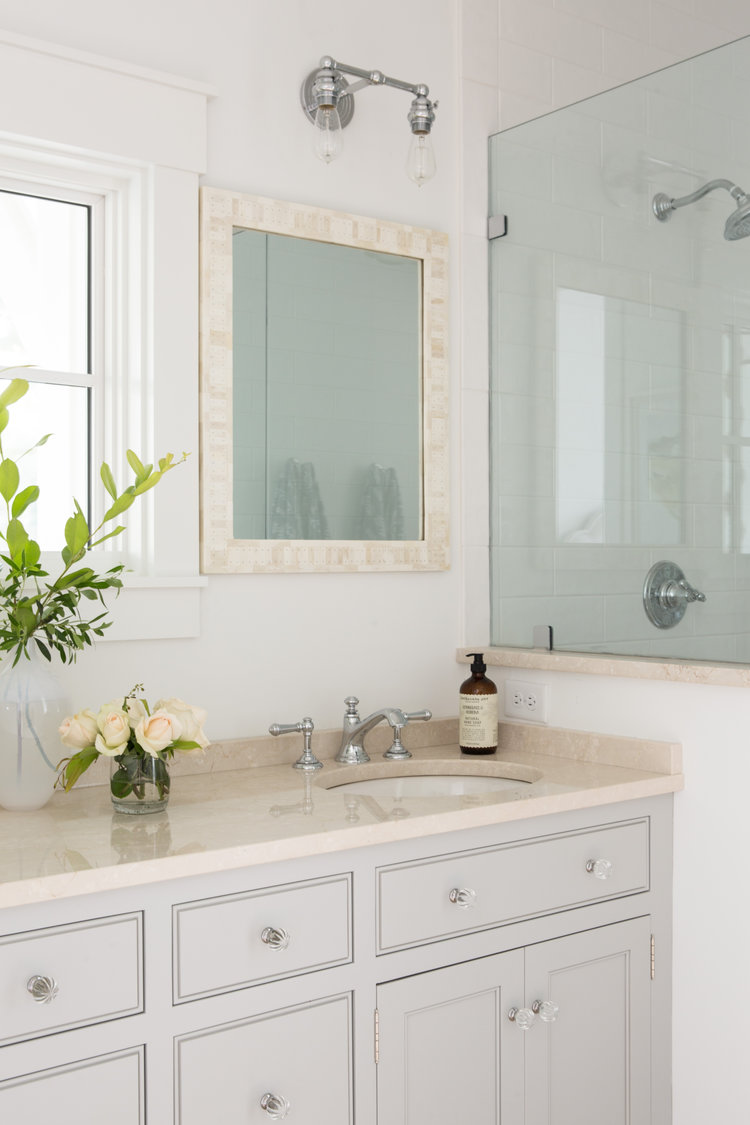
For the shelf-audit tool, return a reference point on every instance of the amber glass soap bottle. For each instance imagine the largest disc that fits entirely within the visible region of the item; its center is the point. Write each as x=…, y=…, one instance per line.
x=477, y=714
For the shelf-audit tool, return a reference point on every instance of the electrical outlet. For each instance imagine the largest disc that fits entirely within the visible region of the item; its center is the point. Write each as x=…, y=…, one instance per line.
x=526, y=701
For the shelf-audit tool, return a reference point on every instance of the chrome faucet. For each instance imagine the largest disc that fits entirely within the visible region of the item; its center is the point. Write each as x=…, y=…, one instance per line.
x=352, y=750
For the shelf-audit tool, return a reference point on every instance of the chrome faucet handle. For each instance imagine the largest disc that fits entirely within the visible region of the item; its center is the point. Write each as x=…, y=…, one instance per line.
x=351, y=703
x=397, y=752
x=307, y=760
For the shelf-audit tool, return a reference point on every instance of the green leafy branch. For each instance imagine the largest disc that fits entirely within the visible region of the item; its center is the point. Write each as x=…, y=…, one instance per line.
x=51, y=613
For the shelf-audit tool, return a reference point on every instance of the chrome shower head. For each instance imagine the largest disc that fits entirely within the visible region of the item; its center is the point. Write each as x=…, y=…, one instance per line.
x=738, y=223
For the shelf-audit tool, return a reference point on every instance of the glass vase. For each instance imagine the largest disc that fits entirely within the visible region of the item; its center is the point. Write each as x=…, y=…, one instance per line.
x=139, y=784
x=32, y=707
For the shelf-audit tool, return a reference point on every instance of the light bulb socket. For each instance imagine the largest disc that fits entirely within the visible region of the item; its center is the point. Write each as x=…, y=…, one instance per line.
x=421, y=114
x=327, y=88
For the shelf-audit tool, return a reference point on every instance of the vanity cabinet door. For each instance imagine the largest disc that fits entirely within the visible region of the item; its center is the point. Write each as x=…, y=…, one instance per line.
x=592, y=1064
x=295, y=1062
x=447, y=1051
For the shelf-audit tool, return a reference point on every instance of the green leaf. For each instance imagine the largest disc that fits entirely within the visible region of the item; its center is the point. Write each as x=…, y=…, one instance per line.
x=137, y=466
x=109, y=535
x=76, y=765
x=76, y=532
x=32, y=553
x=4, y=418
x=120, y=784
x=17, y=538
x=16, y=389
x=8, y=479
x=108, y=480
x=121, y=504
x=149, y=482
x=185, y=744
x=24, y=498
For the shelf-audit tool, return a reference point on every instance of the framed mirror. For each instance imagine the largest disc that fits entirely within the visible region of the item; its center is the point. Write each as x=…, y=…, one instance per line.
x=324, y=390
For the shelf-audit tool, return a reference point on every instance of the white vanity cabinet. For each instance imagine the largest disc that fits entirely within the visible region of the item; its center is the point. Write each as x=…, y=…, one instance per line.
x=371, y=986
x=449, y=1050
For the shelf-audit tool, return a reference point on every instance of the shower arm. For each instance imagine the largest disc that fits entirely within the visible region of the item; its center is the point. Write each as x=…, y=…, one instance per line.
x=664, y=205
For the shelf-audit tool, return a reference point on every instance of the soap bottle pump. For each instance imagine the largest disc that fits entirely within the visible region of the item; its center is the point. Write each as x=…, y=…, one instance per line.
x=477, y=716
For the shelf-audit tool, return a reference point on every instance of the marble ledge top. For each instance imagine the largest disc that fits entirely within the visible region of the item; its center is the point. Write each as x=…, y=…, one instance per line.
x=229, y=818
x=676, y=670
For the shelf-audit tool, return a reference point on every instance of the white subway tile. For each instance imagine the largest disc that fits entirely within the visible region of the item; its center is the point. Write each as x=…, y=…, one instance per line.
x=625, y=58
x=572, y=83
x=528, y=472
x=631, y=18
x=683, y=34
x=523, y=370
x=525, y=571
x=479, y=40
x=526, y=72
x=517, y=109
x=552, y=31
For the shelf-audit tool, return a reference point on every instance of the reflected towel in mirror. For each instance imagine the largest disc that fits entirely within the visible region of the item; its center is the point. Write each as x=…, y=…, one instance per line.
x=297, y=511
x=382, y=510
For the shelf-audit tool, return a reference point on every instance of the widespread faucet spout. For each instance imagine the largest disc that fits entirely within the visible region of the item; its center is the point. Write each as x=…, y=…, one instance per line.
x=352, y=750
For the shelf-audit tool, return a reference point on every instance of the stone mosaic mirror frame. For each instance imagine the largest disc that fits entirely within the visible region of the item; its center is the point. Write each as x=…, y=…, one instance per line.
x=221, y=213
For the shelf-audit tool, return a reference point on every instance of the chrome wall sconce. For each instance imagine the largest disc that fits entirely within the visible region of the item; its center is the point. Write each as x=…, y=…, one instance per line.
x=328, y=101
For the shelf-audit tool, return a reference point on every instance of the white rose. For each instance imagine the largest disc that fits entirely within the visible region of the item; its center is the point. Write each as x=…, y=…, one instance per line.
x=157, y=731
x=79, y=731
x=114, y=728
x=191, y=720
x=135, y=709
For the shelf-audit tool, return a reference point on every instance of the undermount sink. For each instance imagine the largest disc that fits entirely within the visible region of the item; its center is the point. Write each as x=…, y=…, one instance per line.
x=424, y=778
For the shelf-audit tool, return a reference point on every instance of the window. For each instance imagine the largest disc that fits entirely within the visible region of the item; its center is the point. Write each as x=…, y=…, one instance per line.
x=50, y=292
x=99, y=192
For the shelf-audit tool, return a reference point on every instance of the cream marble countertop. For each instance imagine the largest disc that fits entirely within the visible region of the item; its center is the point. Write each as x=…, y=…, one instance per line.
x=225, y=818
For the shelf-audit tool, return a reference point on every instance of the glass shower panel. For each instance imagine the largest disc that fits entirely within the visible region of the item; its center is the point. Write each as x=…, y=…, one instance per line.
x=620, y=385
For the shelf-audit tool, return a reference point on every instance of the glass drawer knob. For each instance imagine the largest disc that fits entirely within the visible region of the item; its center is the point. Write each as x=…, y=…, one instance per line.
x=524, y=1018
x=42, y=990
x=275, y=1105
x=275, y=938
x=463, y=897
x=600, y=868
x=547, y=1010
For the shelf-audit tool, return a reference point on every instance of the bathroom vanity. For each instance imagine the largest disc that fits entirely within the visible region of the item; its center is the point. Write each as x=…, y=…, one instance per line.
x=274, y=949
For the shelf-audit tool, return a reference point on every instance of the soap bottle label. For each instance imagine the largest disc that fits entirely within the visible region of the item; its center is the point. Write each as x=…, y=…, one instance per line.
x=477, y=721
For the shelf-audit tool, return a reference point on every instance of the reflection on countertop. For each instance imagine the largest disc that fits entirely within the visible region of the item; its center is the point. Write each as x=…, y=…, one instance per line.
x=230, y=819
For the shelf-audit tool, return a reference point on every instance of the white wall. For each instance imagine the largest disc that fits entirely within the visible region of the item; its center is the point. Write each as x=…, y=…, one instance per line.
x=552, y=54
x=274, y=648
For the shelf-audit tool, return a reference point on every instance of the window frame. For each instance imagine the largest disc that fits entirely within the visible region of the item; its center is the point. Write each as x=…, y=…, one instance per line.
x=137, y=138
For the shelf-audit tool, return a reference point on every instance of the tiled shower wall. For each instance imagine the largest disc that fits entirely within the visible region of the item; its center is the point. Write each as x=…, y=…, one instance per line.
x=520, y=59
x=622, y=423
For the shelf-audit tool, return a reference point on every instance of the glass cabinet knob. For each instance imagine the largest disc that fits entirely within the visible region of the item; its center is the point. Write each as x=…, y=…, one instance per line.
x=275, y=1105
x=463, y=897
x=275, y=938
x=547, y=1010
x=42, y=990
x=524, y=1018
x=600, y=868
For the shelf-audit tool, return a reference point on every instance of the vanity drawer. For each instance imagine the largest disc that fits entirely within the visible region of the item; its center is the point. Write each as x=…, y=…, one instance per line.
x=457, y=894
x=107, y=1088
x=297, y=1059
x=222, y=944
x=69, y=976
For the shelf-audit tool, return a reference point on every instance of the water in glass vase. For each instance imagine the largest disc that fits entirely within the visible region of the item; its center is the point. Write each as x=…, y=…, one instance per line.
x=139, y=784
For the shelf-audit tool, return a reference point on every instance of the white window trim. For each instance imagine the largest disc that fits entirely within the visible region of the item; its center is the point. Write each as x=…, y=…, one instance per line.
x=140, y=137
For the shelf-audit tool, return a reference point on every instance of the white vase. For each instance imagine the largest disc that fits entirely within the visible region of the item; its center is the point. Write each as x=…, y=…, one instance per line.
x=32, y=706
